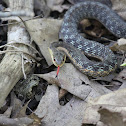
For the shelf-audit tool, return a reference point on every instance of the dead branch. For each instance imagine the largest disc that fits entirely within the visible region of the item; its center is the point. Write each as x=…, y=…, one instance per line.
x=15, y=13
x=11, y=65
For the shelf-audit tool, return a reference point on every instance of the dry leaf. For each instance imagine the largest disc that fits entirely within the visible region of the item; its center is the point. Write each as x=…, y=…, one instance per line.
x=72, y=80
x=114, y=102
x=113, y=117
x=43, y=32
x=57, y=5
x=16, y=105
x=55, y=115
x=37, y=120
x=62, y=93
x=120, y=80
x=93, y=28
x=120, y=7
x=106, y=115
x=8, y=112
x=40, y=7
x=120, y=45
x=116, y=98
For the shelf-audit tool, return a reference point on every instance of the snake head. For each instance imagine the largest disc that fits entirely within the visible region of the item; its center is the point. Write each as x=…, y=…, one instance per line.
x=58, y=57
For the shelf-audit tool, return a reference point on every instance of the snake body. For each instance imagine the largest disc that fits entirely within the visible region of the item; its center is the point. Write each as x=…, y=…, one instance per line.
x=72, y=39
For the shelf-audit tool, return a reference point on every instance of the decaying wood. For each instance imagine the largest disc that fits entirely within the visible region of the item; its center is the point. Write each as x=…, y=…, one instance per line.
x=11, y=65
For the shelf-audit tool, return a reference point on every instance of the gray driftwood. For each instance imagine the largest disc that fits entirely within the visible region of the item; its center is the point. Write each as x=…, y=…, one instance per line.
x=11, y=65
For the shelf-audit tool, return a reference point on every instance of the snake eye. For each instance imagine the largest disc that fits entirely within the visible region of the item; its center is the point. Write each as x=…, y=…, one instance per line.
x=54, y=59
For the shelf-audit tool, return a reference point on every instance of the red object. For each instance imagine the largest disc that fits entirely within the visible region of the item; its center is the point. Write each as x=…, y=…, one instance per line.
x=57, y=71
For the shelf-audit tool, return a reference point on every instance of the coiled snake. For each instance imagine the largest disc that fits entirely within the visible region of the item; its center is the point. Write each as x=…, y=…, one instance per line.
x=75, y=46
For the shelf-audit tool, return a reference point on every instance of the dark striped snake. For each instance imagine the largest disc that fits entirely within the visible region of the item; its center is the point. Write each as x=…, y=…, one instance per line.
x=77, y=48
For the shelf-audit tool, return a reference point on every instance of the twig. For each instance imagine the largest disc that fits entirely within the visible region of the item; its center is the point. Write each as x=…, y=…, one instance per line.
x=10, y=44
x=20, y=21
x=22, y=63
x=36, y=58
x=16, y=13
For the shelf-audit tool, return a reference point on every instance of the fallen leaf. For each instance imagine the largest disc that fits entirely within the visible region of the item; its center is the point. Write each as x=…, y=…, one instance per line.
x=40, y=7
x=113, y=117
x=7, y=113
x=43, y=32
x=55, y=115
x=72, y=80
x=119, y=7
x=57, y=5
x=37, y=120
x=93, y=28
x=114, y=102
x=120, y=79
x=120, y=45
x=16, y=105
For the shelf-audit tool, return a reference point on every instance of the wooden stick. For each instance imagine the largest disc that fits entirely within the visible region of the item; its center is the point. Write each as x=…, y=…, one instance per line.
x=11, y=65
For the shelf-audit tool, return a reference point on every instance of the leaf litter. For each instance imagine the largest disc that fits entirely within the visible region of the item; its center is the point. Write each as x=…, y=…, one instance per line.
x=92, y=101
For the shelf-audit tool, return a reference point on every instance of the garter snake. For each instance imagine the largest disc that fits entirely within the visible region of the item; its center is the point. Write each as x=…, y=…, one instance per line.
x=77, y=48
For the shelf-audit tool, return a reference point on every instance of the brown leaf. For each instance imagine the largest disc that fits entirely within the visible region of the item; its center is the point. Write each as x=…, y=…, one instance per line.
x=93, y=28
x=37, y=120
x=113, y=118
x=120, y=45
x=62, y=93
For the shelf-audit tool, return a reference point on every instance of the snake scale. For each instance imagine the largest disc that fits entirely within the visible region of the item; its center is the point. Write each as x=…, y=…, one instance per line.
x=75, y=46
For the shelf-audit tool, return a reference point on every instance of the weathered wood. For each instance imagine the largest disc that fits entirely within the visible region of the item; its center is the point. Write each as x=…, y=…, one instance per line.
x=11, y=64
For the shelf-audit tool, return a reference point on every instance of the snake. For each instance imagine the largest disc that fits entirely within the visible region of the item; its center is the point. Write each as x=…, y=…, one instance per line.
x=79, y=49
